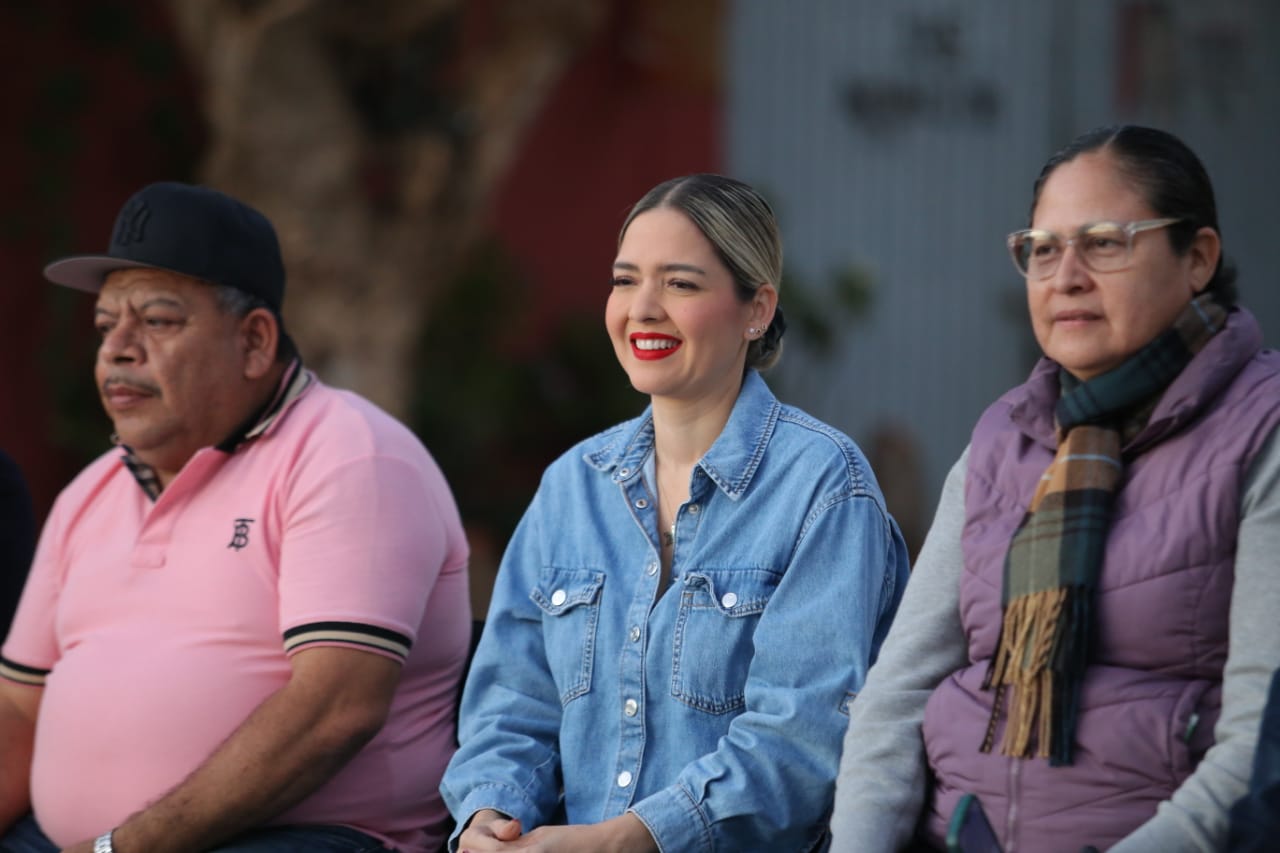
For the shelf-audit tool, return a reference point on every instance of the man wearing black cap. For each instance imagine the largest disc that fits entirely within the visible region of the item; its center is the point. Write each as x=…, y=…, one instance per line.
x=244, y=626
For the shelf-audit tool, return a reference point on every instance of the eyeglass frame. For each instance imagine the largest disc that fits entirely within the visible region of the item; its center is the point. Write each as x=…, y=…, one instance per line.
x=1130, y=229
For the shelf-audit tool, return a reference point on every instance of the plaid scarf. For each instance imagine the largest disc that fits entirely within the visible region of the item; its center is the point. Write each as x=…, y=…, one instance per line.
x=1056, y=554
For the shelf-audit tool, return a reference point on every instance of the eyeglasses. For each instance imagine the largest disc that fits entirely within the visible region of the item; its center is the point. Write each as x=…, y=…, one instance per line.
x=1101, y=246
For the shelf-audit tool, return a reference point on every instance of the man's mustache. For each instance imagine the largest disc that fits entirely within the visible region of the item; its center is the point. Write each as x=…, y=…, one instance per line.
x=118, y=380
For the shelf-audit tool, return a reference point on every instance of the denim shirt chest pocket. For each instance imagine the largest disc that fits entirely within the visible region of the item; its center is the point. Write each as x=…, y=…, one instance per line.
x=712, y=649
x=570, y=603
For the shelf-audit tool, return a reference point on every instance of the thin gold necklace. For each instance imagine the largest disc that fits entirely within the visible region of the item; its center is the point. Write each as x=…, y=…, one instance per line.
x=668, y=535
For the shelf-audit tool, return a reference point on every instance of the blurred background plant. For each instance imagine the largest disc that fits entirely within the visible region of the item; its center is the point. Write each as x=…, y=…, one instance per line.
x=448, y=176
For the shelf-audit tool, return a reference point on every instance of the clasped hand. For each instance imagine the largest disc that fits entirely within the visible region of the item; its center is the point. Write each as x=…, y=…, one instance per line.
x=492, y=831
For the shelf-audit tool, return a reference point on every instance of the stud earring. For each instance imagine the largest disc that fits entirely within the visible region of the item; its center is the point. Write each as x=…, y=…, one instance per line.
x=752, y=331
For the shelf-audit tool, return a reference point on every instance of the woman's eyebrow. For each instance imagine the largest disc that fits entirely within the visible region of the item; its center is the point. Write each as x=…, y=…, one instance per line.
x=625, y=265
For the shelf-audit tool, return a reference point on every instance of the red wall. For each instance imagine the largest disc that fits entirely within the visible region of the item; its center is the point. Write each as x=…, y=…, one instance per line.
x=642, y=105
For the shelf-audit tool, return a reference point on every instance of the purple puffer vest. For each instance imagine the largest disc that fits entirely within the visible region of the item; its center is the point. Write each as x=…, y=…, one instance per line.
x=1152, y=692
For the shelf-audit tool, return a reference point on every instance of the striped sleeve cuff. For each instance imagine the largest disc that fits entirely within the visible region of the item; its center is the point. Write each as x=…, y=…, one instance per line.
x=22, y=674
x=356, y=634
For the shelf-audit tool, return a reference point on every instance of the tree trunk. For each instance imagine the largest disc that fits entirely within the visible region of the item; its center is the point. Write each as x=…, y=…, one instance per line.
x=374, y=142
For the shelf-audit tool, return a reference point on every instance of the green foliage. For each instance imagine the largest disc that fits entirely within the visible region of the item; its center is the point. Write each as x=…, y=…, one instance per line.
x=66, y=91
x=815, y=316
x=154, y=58
x=496, y=401
x=108, y=26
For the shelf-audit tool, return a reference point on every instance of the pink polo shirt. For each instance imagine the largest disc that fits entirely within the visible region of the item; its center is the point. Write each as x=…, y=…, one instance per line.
x=157, y=627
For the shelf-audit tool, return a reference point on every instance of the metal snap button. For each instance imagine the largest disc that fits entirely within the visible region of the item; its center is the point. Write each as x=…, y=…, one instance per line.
x=729, y=599
x=559, y=597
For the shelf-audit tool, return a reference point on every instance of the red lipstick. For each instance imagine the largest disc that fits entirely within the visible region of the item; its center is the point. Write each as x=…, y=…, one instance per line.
x=652, y=346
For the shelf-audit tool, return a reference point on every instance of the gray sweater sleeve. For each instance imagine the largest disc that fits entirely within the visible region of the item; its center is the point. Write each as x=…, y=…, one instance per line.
x=1195, y=818
x=880, y=789
x=881, y=785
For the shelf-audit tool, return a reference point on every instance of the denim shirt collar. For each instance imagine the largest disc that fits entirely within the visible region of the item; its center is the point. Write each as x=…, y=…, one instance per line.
x=730, y=463
x=293, y=384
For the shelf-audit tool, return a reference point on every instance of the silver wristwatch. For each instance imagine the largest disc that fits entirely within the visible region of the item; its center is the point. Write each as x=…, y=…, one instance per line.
x=102, y=844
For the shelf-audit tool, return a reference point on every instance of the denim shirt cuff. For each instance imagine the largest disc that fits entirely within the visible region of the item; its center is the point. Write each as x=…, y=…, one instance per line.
x=675, y=821
x=504, y=798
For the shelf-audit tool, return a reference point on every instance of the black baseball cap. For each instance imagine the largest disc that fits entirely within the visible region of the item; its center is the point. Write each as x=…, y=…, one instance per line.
x=191, y=230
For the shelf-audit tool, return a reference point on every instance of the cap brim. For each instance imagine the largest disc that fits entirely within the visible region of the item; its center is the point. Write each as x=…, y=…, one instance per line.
x=87, y=272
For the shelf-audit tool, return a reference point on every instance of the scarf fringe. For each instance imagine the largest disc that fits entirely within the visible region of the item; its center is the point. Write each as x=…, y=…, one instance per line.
x=1031, y=639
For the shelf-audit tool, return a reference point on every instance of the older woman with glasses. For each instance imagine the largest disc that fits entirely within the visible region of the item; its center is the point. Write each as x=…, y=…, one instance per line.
x=1087, y=638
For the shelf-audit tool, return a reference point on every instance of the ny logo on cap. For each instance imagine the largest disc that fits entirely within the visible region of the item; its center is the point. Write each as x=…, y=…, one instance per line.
x=131, y=224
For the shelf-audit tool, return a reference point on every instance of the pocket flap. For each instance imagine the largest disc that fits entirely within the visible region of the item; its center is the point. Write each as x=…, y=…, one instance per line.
x=734, y=592
x=561, y=590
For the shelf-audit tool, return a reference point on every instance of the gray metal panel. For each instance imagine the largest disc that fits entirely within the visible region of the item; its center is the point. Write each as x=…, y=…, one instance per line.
x=904, y=138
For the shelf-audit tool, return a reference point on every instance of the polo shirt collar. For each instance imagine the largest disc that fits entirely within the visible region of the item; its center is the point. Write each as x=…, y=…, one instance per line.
x=295, y=381
x=293, y=384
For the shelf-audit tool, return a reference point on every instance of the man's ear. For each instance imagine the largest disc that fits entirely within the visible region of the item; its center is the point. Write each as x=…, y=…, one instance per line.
x=260, y=339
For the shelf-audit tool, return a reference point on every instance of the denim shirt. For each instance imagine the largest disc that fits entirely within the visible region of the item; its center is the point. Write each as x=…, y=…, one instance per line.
x=714, y=710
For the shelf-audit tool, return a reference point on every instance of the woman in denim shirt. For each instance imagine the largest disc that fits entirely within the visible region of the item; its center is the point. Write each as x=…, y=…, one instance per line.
x=694, y=596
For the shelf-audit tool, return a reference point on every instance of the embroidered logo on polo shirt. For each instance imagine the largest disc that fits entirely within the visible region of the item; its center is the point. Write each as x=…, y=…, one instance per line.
x=240, y=534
